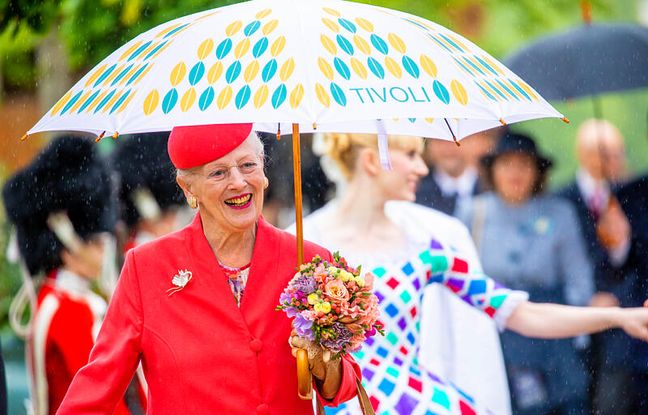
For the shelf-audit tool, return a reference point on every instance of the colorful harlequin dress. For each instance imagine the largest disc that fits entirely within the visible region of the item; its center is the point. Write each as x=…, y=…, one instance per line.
x=393, y=375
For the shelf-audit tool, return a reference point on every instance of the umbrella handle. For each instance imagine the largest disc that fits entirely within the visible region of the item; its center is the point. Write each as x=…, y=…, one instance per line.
x=304, y=377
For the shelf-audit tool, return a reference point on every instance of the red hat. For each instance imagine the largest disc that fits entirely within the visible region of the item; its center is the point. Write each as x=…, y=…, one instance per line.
x=195, y=145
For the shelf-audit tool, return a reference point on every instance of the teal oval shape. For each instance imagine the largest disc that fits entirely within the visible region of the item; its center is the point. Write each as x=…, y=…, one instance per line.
x=376, y=67
x=260, y=47
x=206, y=98
x=72, y=102
x=411, y=67
x=243, y=97
x=120, y=101
x=251, y=28
x=279, y=96
x=104, y=75
x=342, y=68
x=345, y=45
x=338, y=94
x=269, y=70
x=136, y=75
x=105, y=101
x=379, y=44
x=233, y=72
x=196, y=73
x=88, y=101
x=223, y=48
x=441, y=92
x=347, y=25
x=169, y=101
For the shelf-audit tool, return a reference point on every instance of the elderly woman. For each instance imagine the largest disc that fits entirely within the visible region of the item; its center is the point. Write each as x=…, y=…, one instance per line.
x=409, y=249
x=197, y=306
x=533, y=242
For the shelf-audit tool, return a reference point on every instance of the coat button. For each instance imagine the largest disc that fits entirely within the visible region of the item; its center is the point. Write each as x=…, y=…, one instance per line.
x=256, y=345
x=262, y=409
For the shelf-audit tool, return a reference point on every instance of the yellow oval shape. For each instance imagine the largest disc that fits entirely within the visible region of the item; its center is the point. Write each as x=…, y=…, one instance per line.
x=242, y=48
x=396, y=42
x=331, y=24
x=362, y=45
x=131, y=49
x=224, y=97
x=393, y=67
x=277, y=46
x=326, y=69
x=270, y=26
x=459, y=92
x=205, y=48
x=251, y=71
x=178, y=73
x=61, y=103
x=263, y=13
x=428, y=66
x=95, y=75
x=233, y=27
x=188, y=99
x=287, y=69
x=365, y=24
x=80, y=101
x=296, y=96
x=151, y=102
x=358, y=68
x=322, y=95
x=215, y=72
x=332, y=12
x=261, y=96
x=328, y=44
x=528, y=89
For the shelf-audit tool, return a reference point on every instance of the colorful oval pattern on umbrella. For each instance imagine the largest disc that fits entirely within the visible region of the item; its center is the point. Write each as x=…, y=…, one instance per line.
x=325, y=68
x=224, y=97
x=223, y=48
x=375, y=67
x=188, y=99
x=233, y=72
x=296, y=96
x=196, y=73
x=322, y=95
x=251, y=28
x=261, y=96
x=260, y=47
x=205, y=48
x=348, y=25
x=338, y=94
x=269, y=70
x=345, y=45
x=169, y=101
x=441, y=92
x=411, y=67
x=206, y=98
x=379, y=44
x=279, y=96
x=243, y=97
x=342, y=68
x=459, y=92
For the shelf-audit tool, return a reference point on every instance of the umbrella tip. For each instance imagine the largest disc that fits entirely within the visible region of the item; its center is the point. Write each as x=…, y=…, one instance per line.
x=565, y=120
x=314, y=126
x=115, y=135
x=503, y=122
x=278, y=132
x=24, y=137
x=99, y=137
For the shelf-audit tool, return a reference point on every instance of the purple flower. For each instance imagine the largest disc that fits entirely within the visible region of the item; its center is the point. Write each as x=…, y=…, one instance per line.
x=291, y=311
x=304, y=284
x=340, y=338
x=285, y=298
x=304, y=327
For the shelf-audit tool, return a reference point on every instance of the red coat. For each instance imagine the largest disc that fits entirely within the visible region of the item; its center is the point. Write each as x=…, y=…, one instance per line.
x=67, y=319
x=200, y=352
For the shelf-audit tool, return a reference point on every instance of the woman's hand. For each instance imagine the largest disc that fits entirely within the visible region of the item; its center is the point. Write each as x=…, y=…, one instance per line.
x=327, y=371
x=634, y=321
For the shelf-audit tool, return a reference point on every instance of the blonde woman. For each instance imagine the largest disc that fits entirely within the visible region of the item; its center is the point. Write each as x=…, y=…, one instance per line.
x=407, y=248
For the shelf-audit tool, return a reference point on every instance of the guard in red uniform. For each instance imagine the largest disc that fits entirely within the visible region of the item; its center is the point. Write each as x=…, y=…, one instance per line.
x=61, y=205
x=201, y=315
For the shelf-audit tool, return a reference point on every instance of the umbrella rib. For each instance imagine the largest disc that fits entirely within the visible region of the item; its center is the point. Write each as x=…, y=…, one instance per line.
x=454, y=137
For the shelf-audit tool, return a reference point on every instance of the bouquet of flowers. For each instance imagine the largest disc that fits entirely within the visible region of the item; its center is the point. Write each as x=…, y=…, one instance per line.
x=332, y=305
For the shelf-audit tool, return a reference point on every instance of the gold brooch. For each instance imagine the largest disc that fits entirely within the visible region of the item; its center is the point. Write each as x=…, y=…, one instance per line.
x=180, y=280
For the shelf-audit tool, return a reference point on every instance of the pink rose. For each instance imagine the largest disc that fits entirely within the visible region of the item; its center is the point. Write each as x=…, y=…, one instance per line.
x=336, y=290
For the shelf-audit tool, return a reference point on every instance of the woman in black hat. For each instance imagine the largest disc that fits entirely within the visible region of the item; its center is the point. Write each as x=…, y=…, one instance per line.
x=532, y=242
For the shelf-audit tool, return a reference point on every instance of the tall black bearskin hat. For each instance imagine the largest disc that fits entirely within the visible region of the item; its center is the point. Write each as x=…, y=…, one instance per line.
x=142, y=163
x=67, y=176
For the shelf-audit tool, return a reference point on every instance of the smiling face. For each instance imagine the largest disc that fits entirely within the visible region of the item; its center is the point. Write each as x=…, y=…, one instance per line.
x=229, y=190
x=408, y=168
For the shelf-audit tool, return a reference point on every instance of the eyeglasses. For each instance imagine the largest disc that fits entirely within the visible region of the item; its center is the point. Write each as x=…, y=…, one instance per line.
x=246, y=168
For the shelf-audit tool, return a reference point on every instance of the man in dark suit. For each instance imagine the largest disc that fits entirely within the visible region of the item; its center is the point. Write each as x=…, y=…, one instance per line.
x=454, y=174
x=607, y=232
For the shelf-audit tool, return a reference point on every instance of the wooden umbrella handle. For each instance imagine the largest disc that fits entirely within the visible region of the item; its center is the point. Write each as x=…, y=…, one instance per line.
x=304, y=377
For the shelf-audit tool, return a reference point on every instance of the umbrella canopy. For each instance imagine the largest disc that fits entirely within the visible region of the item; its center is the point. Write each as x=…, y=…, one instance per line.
x=325, y=65
x=587, y=60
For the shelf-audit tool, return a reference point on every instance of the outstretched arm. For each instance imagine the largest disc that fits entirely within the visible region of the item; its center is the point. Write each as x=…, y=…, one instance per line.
x=544, y=320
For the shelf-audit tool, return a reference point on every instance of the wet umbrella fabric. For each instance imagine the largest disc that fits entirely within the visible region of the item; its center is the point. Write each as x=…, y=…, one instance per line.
x=587, y=60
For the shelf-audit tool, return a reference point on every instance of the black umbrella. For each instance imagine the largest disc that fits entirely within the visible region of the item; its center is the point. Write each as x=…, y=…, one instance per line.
x=587, y=60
